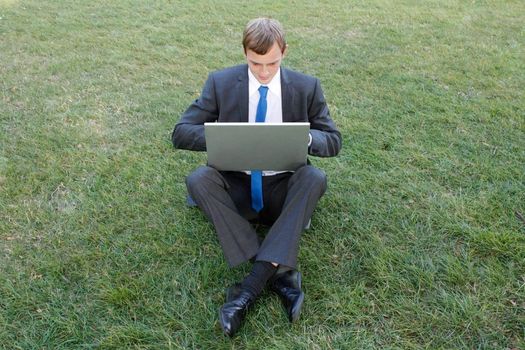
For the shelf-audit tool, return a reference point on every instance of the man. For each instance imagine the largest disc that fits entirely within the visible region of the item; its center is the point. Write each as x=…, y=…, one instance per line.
x=259, y=91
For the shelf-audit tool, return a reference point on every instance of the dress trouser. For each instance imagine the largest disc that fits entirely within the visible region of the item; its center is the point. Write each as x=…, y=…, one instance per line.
x=289, y=200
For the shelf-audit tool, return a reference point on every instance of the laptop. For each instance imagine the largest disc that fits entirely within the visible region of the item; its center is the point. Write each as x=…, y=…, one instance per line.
x=257, y=146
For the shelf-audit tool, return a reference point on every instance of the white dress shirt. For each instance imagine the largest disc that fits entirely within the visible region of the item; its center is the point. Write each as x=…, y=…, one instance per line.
x=274, y=112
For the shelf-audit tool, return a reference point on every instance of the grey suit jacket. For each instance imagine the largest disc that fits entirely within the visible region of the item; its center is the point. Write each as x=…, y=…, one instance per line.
x=224, y=98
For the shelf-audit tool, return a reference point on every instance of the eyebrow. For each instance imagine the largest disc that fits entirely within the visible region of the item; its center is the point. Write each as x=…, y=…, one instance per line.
x=255, y=62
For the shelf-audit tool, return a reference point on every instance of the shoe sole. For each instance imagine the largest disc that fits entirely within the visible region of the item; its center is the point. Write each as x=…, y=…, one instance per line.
x=297, y=311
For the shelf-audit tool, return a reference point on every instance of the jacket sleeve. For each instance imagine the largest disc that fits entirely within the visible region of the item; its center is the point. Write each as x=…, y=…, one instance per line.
x=189, y=131
x=326, y=139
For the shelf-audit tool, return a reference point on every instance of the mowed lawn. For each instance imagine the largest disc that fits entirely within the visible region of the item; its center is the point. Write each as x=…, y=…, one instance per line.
x=419, y=242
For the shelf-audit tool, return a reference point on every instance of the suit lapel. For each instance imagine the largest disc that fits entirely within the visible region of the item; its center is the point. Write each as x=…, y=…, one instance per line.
x=287, y=97
x=241, y=91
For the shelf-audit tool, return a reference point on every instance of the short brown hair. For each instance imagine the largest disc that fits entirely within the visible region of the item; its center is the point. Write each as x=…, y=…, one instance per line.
x=261, y=33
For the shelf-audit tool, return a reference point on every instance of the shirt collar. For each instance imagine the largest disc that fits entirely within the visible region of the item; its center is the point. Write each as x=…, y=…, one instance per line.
x=274, y=85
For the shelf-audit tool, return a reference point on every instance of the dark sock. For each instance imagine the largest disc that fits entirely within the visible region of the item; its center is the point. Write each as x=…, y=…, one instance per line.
x=256, y=280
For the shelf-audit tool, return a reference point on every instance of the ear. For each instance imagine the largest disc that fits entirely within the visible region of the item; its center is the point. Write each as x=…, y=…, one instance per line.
x=285, y=51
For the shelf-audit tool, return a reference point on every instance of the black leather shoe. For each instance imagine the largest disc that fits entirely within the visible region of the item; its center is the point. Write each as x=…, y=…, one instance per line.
x=233, y=292
x=288, y=286
x=232, y=313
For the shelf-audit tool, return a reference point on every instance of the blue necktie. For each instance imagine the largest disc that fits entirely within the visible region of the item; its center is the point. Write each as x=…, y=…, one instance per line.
x=260, y=116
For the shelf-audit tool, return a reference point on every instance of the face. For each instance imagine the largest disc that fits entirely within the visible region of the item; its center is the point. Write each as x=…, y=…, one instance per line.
x=264, y=67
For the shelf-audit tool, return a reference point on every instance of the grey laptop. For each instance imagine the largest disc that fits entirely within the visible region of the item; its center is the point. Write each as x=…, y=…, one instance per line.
x=257, y=146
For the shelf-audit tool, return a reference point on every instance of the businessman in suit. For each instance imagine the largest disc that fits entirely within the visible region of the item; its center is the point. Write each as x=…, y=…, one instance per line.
x=259, y=91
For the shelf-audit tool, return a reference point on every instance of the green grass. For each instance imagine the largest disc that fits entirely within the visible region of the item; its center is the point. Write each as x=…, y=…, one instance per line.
x=416, y=244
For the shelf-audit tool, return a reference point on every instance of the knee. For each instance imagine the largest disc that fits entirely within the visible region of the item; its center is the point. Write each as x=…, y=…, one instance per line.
x=202, y=176
x=314, y=176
